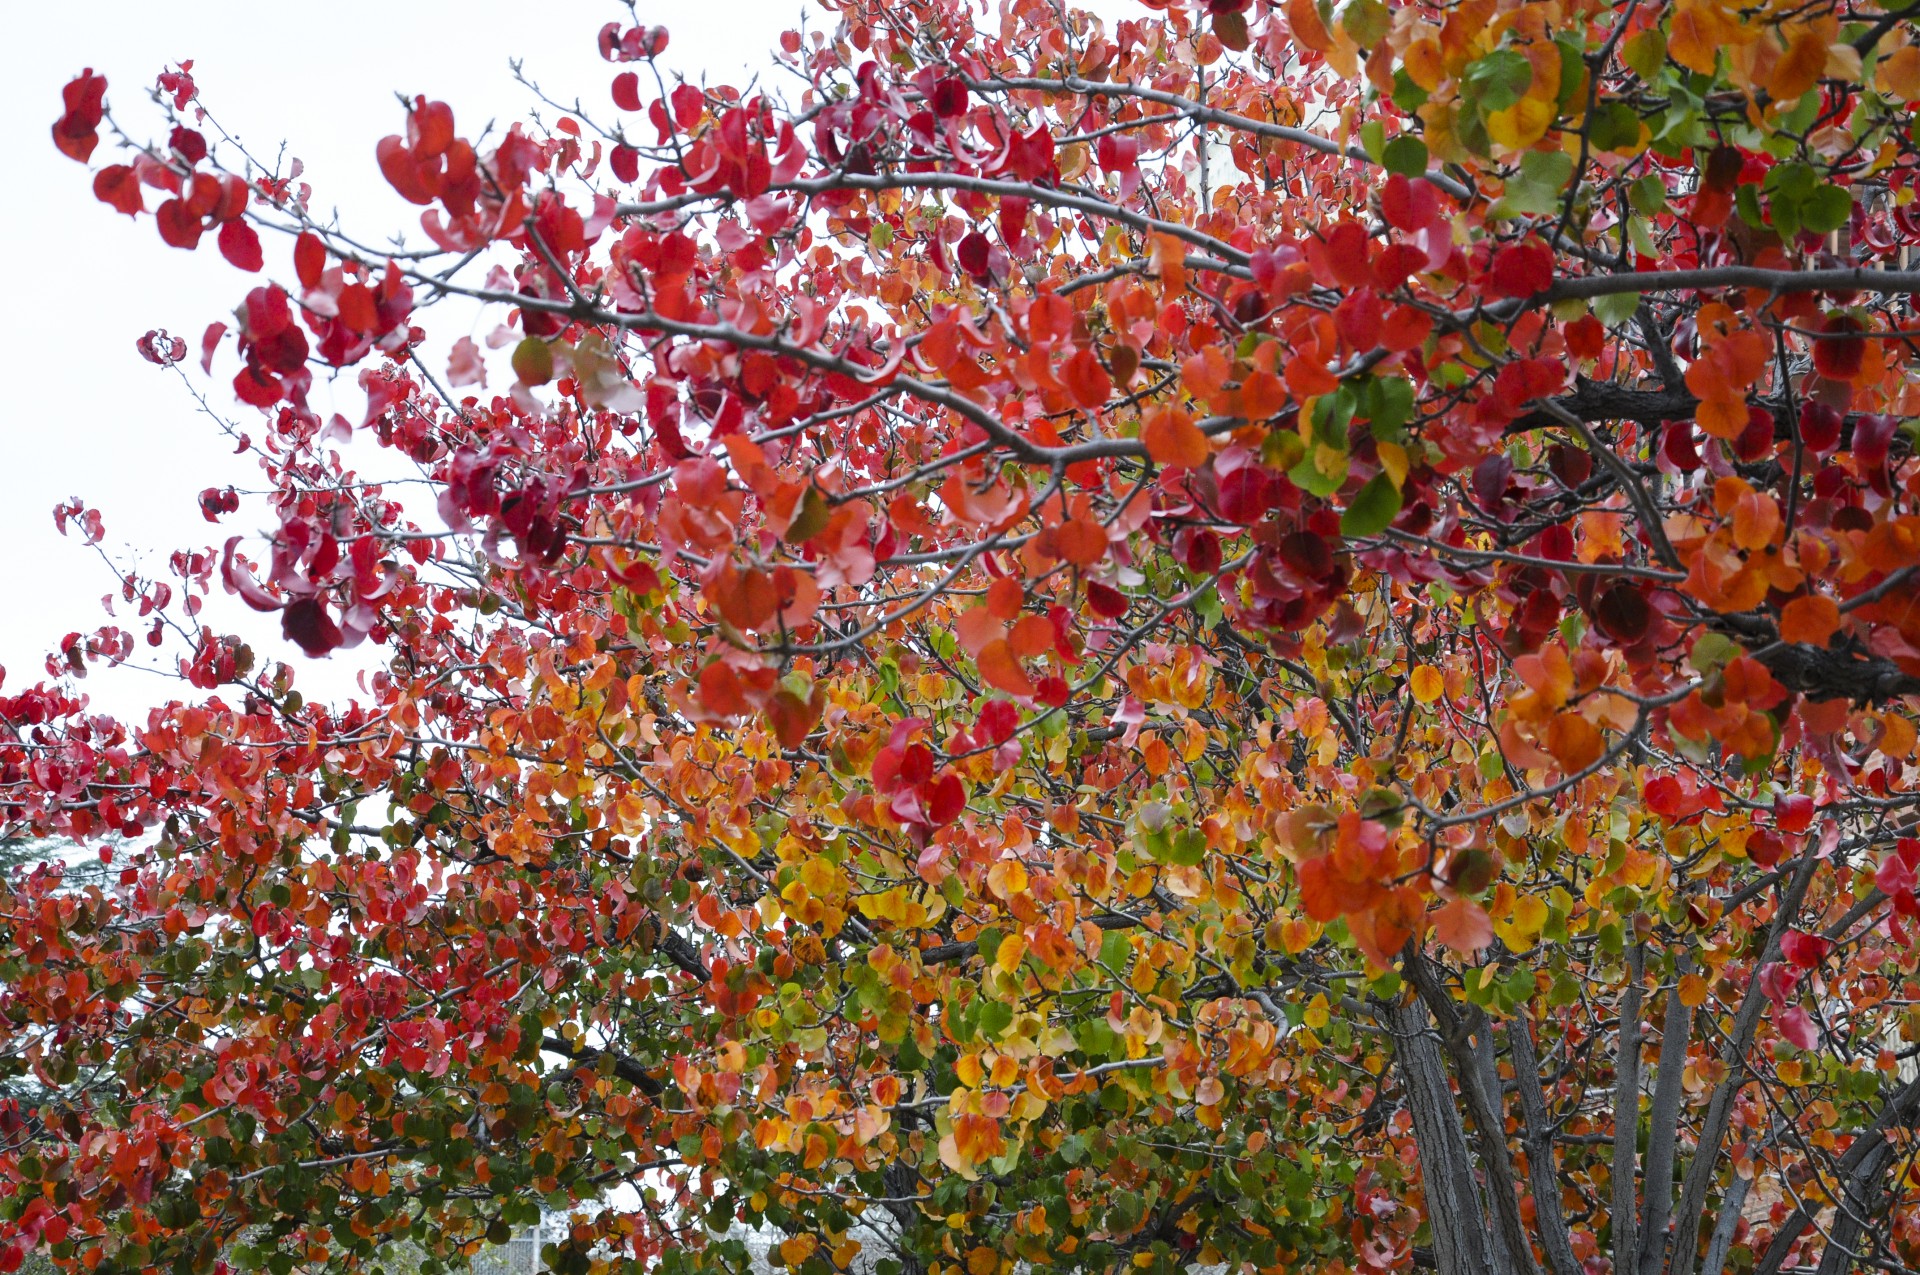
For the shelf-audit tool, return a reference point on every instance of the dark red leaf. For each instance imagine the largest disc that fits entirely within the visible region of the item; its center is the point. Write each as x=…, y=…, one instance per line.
x=306, y=623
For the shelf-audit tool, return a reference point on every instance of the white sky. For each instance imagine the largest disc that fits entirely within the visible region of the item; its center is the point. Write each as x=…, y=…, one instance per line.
x=84, y=414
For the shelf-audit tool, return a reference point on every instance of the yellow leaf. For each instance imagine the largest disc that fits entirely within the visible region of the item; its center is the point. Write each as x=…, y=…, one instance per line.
x=1316, y=1015
x=1428, y=684
x=1519, y=928
x=1393, y=459
x=1520, y=125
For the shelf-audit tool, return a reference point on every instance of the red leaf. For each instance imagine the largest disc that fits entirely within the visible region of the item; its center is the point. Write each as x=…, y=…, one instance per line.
x=1407, y=204
x=309, y=259
x=210, y=341
x=948, y=799
x=1839, y=352
x=949, y=98
x=240, y=245
x=1793, y=812
x=1623, y=614
x=971, y=253
x=1804, y=950
x=118, y=186
x=85, y=99
x=1105, y=600
x=1797, y=1026
x=179, y=228
x=625, y=162
x=626, y=91
x=1523, y=270
x=306, y=623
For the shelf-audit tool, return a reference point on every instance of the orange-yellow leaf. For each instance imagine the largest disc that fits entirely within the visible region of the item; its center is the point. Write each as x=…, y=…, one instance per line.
x=1799, y=67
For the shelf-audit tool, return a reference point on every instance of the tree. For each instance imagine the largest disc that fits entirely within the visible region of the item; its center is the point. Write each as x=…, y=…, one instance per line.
x=1266, y=636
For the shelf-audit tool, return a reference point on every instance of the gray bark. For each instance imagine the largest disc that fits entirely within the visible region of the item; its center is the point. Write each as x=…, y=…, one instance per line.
x=1713, y=1129
x=1462, y=1240
x=1626, y=1116
x=1550, y=1221
x=1664, y=1130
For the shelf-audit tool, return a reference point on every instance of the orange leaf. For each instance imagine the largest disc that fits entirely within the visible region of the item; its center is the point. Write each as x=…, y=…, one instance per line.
x=1574, y=741
x=1080, y=541
x=1262, y=395
x=1463, y=925
x=1812, y=618
x=1799, y=68
x=1205, y=373
x=1032, y=635
x=1000, y=669
x=1172, y=439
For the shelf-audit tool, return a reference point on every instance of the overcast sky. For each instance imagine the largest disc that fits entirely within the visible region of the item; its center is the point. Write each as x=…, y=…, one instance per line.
x=84, y=415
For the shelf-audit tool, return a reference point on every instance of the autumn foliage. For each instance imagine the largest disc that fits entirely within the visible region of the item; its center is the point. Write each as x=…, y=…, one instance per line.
x=1277, y=635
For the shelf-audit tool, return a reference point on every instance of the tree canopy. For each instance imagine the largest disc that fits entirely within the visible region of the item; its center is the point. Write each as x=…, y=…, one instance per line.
x=1281, y=636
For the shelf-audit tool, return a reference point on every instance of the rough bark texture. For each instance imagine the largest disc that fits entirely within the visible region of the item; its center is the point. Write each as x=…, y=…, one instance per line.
x=1537, y=1129
x=1462, y=1240
x=1480, y=1089
x=1626, y=1116
x=1713, y=1130
x=1664, y=1133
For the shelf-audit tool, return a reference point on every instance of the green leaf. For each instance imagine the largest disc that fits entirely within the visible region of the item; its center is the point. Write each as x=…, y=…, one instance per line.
x=995, y=1017
x=1616, y=309
x=1373, y=509
x=1497, y=81
x=1366, y=21
x=1648, y=195
x=1615, y=126
x=1115, y=950
x=1645, y=53
x=1540, y=185
x=1387, y=402
x=1373, y=139
x=1310, y=478
x=1332, y=413
x=1407, y=95
x=1406, y=155
x=1187, y=849
x=1827, y=209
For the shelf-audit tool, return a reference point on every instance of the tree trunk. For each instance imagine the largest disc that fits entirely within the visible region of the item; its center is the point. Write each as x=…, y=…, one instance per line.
x=1462, y=1238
